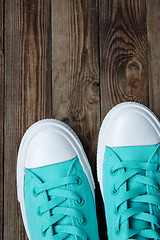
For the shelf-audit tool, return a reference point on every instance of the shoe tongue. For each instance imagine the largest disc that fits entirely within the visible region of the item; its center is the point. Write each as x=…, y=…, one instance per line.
x=143, y=154
x=51, y=172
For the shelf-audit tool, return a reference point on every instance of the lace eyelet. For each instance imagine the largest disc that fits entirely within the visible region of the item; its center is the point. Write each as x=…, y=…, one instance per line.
x=114, y=191
x=34, y=192
x=117, y=231
x=158, y=208
x=158, y=169
x=157, y=189
x=79, y=202
x=83, y=221
x=39, y=213
x=113, y=172
x=79, y=181
x=44, y=233
x=116, y=210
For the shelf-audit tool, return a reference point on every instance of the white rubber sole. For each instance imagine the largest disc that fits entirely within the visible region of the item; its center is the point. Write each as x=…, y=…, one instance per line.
x=113, y=114
x=74, y=141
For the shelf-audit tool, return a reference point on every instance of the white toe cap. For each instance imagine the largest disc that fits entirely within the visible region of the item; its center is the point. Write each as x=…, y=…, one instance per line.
x=47, y=147
x=131, y=124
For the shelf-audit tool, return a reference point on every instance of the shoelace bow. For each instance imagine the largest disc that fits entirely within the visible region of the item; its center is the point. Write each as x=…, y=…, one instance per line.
x=133, y=169
x=59, y=212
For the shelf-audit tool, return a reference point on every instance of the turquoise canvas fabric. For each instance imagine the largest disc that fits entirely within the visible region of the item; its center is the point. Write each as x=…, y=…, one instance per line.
x=131, y=190
x=59, y=203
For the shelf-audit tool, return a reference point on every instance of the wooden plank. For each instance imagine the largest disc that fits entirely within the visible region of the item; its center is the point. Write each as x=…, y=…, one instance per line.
x=1, y=115
x=153, y=33
x=27, y=90
x=75, y=74
x=10, y=119
x=75, y=69
x=123, y=52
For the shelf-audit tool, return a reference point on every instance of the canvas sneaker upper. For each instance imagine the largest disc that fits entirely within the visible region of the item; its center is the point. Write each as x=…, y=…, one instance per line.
x=129, y=174
x=56, y=193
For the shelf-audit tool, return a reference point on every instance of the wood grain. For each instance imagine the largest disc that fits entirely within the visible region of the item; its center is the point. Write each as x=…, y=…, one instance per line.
x=123, y=52
x=75, y=76
x=27, y=90
x=35, y=60
x=153, y=33
x=1, y=114
x=12, y=94
x=75, y=69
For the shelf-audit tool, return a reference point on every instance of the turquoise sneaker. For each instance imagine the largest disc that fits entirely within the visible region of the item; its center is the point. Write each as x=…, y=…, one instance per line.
x=128, y=166
x=55, y=184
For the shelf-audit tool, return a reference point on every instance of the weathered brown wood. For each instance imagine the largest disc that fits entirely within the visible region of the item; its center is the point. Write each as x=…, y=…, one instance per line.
x=123, y=52
x=12, y=95
x=35, y=60
x=75, y=69
x=153, y=33
x=1, y=115
x=27, y=90
x=75, y=74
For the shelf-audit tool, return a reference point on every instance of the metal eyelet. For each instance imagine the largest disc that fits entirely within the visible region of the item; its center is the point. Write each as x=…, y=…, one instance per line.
x=34, y=192
x=79, y=202
x=114, y=191
x=113, y=172
x=79, y=181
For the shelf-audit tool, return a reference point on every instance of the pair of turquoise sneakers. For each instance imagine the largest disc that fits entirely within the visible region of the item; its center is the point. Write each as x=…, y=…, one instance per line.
x=56, y=187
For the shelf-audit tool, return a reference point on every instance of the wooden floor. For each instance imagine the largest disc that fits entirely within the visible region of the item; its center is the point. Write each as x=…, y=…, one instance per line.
x=72, y=60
